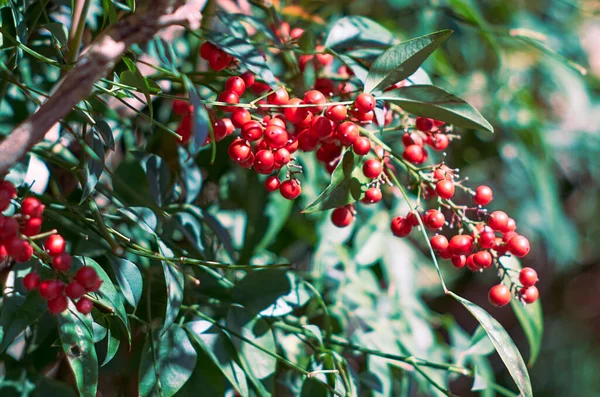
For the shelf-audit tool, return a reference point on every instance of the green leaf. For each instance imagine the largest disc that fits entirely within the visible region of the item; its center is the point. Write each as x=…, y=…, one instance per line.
x=134, y=78
x=217, y=345
x=77, y=341
x=18, y=313
x=357, y=31
x=157, y=175
x=402, y=60
x=201, y=127
x=191, y=175
x=112, y=334
x=106, y=133
x=59, y=32
x=166, y=363
x=130, y=182
x=175, y=284
x=433, y=102
x=503, y=343
x=144, y=217
x=346, y=185
x=129, y=279
x=359, y=70
x=93, y=167
x=245, y=53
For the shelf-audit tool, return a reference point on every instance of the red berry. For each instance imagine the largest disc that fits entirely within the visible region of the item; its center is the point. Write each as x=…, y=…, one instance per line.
x=412, y=139
x=249, y=162
x=424, y=124
x=290, y=189
x=372, y=195
x=229, y=97
x=321, y=127
x=259, y=88
x=325, y=86
x=222, y=128
x=4, y=200
x=306, y=141
x=483, y=195
x=413, y=218
x=219, y=60
x=185, y=129
x=439, y=142
x=275, y=136
x=8, y=187
x=181, y=107
x=240, y=117
x=364, y=102
x=445, y=189
x=84, y=306
x=248, y=78
x=528, y=277
x=264, y=161
x=511, y=226
x=239, y=151
x=236, y=84
x=364, y=118
x=434, y=219
x=50, y=289
x=272, y=183
x=32, y=226
x=295, y=114
x=347, y=133
x=87, y=277
x=508, y=236
x=3, y=252
x=498, y=220
x=62, y=262
x=31, y=281
x=483, y=259
x=337, y=113
x=499, y=295
x=439, y=243
x=518, y=246
x=487, y=239
x=282, y=156
x=32, y=207
x=55, y=244
x=75, y=290
x=279, y=97
x=314, y=97
x=361, y=145
x=276, y=121
x=400, y=226
x=8, y=227
x=471, y=263
x=252, y=131
x=372, y=168
x=530, y=294
x=459, y=261
x=342, y=216
x=207, y=49
x=58, y=304
x=460, y=244
x=414, y=154
x=19, y=250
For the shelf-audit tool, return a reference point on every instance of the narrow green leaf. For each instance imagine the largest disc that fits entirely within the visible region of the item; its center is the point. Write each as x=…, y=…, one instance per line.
x=431, y=101
x=402, y=60
x=175, y=284
x=201, y=127
x=167, y=363
x=503, y=343
x=157, y=175
x=77, y=339
x=346, y=185
x=59, y=32
x=106, y=133
x=17, y=313
x=359, y=70
x=356, y=31
x=129, y=279
x=94, y=167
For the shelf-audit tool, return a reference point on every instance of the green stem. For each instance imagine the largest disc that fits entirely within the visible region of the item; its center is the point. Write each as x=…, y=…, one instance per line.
x=78, y=20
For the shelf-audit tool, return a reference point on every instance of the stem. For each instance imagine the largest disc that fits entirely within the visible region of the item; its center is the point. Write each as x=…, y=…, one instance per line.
x=77, y=27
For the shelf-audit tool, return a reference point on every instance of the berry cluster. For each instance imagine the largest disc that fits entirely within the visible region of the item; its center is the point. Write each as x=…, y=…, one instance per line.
x=17, y=234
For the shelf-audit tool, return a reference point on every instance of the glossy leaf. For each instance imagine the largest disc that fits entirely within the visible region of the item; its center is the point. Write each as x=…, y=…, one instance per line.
x=59, y=32
x=106, y=133
x=357, y=31
x=175, y=284
x=77, y=340
x=94, y=167
x=346, y=187
x=16, y=314
x=503, y=343
x=433, y=102
x=157, y=175
x=201, y=126
x=166, y=366
x=245, y=53
x=402, y=60
x=129, y=279
x=359, y=70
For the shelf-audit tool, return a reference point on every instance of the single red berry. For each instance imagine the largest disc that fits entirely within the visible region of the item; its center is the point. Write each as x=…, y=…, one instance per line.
x=511, y=226
x=483, y=259
x=314, y=97
x=259, y=88
x=337, y=113
x=372, y=195
x=528, y=277
x=8, y=187
x=62, y=262
x=3, y=252
x=498, y=220
x=229, y=97
x=347, y=133
x=8, y=227
x=87, y=277
x=20, y=250
x=445, y=189
x=412, y=139
x=75, y=290
x=282, y=156
x=321, y=127
x=529, y=294
x=278, y=121
x=222, y=128
x=400, y=226
x=459, y=261
x=487, y=239
x=279, y=97
x=248, y=163
x=364, y=118
x=185, y=129
x=424, y=124
x=33, y=207
x=4, y=200
x=518, y=246
x=306, y=141
x=58, y=304
x=248, y=78
x=461, y=244
x=414, y=154
x=239, y=151
x=181, y=107
x=31, y=281
x=439, y=243
x=275, y=136
x=50, y=289
x=508, y=236
x=272, y=183
x=219, y=60
x=240, y=117
x=55, y=244
x=96, y=286
x=499, y=295
x=264, y=161
x=295, y=114
x=434, y=219
x=32, y=226
x=236, y=84
x=372, y=168
x=252, y=131
x=290, y=189
x=362, y=145
x=439, y=142
x=471, y=263
x=84, y=306
x=207, y=49
x=296, y=33
x=364, y=102
x=342, y=216
x=413, y=218
x=483, y=195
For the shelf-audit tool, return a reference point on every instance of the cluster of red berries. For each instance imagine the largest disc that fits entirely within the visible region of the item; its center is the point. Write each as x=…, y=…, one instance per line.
x=427, y=132
x=16, y=233
x=217, y=58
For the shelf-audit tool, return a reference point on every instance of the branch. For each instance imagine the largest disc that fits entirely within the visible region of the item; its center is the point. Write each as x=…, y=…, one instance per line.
x=97, y=60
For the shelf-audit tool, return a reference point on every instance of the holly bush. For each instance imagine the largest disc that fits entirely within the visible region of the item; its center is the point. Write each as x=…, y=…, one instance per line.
x=264, y=203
